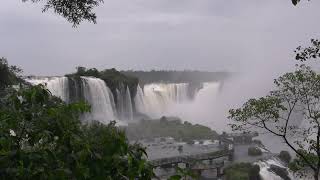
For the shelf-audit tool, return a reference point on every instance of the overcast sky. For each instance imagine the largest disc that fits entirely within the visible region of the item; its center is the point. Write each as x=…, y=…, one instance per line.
x=233, y=35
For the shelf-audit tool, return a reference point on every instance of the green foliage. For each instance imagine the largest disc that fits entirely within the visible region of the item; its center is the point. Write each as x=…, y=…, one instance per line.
x=242, y=171
x=295, y=2
x=9, y=75
x=183, y=174
x=42, y=138
x=285, y=156
x=169, y=128
x=296, y=93
x=303, y=161
x=254, y=151
x=312, y=52
x=115, y=79
x=112, y=156
x=74, y=11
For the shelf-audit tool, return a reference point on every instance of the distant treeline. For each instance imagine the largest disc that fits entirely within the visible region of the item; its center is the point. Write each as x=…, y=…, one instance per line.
x=177, y=76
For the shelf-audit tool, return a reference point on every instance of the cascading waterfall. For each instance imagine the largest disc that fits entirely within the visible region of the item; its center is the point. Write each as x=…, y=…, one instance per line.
x=101, y=100
x=129, y=105
x=155, y=99
x=58, y=86
x=139, y=101
x=266, y=173
x=124, y=103
x=120, y=104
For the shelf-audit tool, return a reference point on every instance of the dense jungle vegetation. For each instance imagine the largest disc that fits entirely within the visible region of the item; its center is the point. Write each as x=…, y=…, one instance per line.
x=42, y=137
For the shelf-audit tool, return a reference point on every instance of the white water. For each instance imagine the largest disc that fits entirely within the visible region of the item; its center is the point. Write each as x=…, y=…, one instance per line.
x=265, y=174
x=58, y=86
x=124, y=104
x=128, y=102
x=157, y=98
x=100, y=97
x=203, y=109
x=139, y=101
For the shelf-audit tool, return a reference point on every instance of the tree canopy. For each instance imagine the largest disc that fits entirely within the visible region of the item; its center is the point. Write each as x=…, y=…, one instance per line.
x=41, y=137
x=9, y=75
x=290, y=112
x=74, y=11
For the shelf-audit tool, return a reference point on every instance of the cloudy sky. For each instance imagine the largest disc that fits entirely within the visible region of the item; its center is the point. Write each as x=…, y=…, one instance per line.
x=233, y=35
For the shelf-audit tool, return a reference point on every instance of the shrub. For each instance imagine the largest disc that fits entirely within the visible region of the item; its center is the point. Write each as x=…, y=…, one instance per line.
x=41, y=137
x=285, y=156
x=242, y=171
x=254, y=151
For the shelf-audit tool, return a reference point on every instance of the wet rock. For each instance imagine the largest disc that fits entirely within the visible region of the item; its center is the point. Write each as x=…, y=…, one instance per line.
x=280, y=171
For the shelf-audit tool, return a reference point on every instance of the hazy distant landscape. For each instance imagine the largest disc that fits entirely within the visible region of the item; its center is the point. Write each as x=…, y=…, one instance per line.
x=159, y=90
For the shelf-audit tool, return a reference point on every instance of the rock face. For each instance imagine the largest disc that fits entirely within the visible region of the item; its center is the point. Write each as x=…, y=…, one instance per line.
x=280, y=171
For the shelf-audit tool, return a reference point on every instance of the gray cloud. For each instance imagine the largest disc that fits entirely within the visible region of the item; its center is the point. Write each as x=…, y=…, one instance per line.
x=160, y=34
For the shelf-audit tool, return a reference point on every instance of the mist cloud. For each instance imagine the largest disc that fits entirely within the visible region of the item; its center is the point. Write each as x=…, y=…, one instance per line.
x=159, y=34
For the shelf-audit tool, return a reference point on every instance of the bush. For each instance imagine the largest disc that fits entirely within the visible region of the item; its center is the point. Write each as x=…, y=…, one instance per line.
x=242, y=171
x=257, y=142
x=254, y=151
x=166, y=127
x=285, y=156
x=42, y=138
x=9, y=75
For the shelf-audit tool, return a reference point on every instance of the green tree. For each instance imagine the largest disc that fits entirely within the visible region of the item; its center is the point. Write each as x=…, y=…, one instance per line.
x=285, y=156
x=254, y=151
x=9, y=75
x=41, y=137
x=295, y=93
x=75, y=11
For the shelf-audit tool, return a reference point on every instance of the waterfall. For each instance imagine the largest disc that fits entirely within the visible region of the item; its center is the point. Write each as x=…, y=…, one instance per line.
x=266, y=173
x=100, y=97
x=58, y=86
x=129, y=105
x=120, y=104
x=156, y=98
x=139, y=101
x=124, y=103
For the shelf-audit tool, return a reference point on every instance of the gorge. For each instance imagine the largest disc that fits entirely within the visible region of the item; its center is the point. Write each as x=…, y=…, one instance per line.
x=126, y=103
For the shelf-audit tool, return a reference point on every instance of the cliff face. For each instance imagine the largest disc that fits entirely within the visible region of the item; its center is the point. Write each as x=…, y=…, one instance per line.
x=113, y=78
